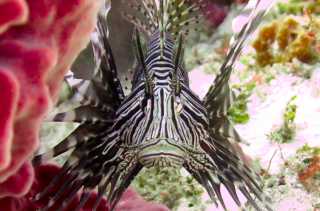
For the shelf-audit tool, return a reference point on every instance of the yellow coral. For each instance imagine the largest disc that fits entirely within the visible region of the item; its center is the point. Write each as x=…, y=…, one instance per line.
x=267, y=36
x=293, y=40
x=302, y=48
x=264, y=58
x=288, y=31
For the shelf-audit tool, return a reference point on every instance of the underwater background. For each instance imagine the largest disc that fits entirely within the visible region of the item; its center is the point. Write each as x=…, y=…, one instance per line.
x=277, y=109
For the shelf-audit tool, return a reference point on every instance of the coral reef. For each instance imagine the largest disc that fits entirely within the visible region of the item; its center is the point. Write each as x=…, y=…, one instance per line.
x=169, y=186
x=13, y=12
x=38, y=42
x=310, y=174
x=286, y=39
x=297, y=7
x=309, y=169
x=214, y=13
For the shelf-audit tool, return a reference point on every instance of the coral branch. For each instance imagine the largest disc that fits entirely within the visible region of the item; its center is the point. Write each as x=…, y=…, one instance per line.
x=9, y=92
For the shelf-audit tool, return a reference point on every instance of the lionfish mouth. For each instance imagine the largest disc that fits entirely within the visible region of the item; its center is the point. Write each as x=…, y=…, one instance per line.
x=162, y=152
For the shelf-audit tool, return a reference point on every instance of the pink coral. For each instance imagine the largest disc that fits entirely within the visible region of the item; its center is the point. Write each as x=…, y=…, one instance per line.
x=214, y=13
x=13, y=12
x=130, y=200
x=38, y=42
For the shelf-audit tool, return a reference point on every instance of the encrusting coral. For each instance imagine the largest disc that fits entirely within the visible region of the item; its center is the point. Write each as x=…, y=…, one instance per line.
x=38, y=42
x=286, y=39
x=309, y=174
x=13, y=12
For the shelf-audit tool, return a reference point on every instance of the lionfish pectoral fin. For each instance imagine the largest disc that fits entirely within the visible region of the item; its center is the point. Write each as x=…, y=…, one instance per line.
x=83, y=200
x=65, y=145
x=51, y=184
x=75, y=90
x=77, y=137
x=79, y=89
x=121, y=182
x=117, y=170
x=220, y=96
x=202, y=178
x=224, y=167
x=105, y=84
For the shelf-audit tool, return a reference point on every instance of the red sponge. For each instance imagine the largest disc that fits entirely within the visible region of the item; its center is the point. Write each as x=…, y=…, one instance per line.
x=39, y=40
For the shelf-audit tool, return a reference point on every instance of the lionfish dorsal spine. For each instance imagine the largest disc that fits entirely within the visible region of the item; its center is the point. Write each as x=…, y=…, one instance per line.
x=170, y=19
x=148, y=79
x=177, y=64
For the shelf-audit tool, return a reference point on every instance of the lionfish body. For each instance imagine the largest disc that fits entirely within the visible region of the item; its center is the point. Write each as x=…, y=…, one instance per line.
x=165, y=126
x=160, y=123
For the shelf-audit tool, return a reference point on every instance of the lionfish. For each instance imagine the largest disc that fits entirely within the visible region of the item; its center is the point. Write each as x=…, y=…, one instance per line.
x=161, y=123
